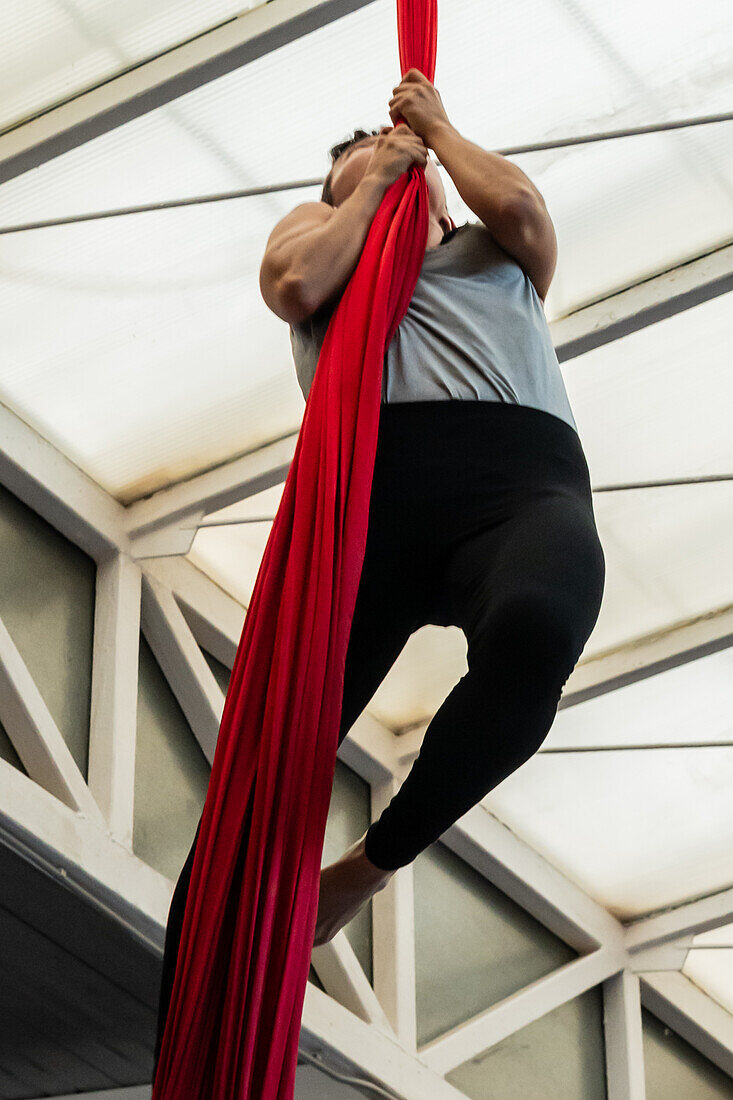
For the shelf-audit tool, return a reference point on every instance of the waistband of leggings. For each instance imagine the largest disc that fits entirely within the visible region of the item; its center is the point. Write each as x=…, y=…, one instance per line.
x=468, y=412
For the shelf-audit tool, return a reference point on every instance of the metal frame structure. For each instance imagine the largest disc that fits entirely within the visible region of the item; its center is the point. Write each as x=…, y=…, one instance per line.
x=83, y=831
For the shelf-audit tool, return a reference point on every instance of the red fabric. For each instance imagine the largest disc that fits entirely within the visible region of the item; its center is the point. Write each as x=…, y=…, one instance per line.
x=235, y=1011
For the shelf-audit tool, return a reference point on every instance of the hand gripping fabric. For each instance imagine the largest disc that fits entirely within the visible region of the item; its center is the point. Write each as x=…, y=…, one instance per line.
x=234, y=1017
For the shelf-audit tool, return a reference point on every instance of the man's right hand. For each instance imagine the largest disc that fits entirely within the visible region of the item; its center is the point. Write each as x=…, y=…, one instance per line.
x=395, y=150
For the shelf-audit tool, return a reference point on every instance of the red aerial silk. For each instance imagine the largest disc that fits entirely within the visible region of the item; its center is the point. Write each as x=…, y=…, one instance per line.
x=234, y=1018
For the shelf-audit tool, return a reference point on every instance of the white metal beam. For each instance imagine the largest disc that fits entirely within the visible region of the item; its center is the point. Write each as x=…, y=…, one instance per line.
x=356, y=1048
x=684, y=920
x=663, y=956
x=393, y=937
x=369, y=749
x=691, y=1013
x=215, y=617
x=343, y=978
x=49, y=483
x=532, y=882
x=471, y=1039
x=166, y=522
x=216, y=621
x=645, y=303
x=623, y=1037
x=84, y=854
x=113, y=718
x=36, y=737
x=164, y=78
x=184, y=665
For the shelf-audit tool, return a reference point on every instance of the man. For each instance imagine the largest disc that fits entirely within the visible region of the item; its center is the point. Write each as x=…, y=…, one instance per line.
x=481, y=511
x=309, y=258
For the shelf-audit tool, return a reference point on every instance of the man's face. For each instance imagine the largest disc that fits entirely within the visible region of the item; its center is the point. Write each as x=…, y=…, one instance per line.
x=351, y=166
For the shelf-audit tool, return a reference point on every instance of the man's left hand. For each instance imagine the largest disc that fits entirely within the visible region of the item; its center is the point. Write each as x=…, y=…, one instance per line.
x=416, y=100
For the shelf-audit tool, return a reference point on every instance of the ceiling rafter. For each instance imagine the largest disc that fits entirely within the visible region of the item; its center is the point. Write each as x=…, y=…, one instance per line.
x=164, y=78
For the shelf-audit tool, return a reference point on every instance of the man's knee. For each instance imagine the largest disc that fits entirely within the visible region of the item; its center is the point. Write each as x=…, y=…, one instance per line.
x=533, y=636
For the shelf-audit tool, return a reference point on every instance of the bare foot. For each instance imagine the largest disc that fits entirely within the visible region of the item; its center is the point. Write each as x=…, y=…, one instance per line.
x=346, y=886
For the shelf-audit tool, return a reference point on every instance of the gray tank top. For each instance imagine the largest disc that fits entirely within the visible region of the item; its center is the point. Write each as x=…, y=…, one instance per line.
x=475, y=330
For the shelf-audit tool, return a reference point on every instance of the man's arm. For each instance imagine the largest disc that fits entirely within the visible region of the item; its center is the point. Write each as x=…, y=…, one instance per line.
x=504, y=198
x=312, y=251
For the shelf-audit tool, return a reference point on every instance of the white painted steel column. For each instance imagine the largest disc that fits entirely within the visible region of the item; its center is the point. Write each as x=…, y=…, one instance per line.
x=393, y=936
x=623, y=1036
x=113, y=721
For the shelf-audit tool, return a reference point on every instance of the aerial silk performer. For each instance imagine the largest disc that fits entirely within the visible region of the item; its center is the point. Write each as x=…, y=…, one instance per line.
x=234, y=1016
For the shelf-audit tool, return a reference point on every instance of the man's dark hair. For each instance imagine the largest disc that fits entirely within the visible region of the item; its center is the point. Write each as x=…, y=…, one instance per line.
x=335, y=152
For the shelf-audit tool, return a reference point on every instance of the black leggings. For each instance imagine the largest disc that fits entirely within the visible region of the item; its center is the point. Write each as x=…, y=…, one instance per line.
x=480, y=517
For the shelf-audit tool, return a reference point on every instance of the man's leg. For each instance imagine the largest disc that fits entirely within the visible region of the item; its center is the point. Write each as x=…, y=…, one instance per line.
x=380, y=628
x=173, y=932
x=527, y=594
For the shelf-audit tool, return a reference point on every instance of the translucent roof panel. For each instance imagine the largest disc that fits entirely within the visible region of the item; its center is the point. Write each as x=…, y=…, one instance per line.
x=667, y=558
x=138, y=347
x=709, y=964
x=53, y=50
x=167, y=307
x=231, y=555
x=656, y=404
x=638, y=204
x=638, y=828
x=689, y=704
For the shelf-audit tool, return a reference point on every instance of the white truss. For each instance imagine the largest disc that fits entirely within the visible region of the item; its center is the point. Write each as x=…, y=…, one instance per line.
x=113, y=719
x=343, y=978
x=393, y=930
x=624, y=1037
x=35, y=735
x=182, y=663
x=688, y=1010
x=83, y=833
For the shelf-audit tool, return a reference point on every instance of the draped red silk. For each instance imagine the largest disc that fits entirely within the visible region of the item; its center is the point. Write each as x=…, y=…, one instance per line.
x=234, y=1018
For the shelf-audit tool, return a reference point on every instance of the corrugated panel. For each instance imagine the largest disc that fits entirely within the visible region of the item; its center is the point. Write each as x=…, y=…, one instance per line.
x=53, y=50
